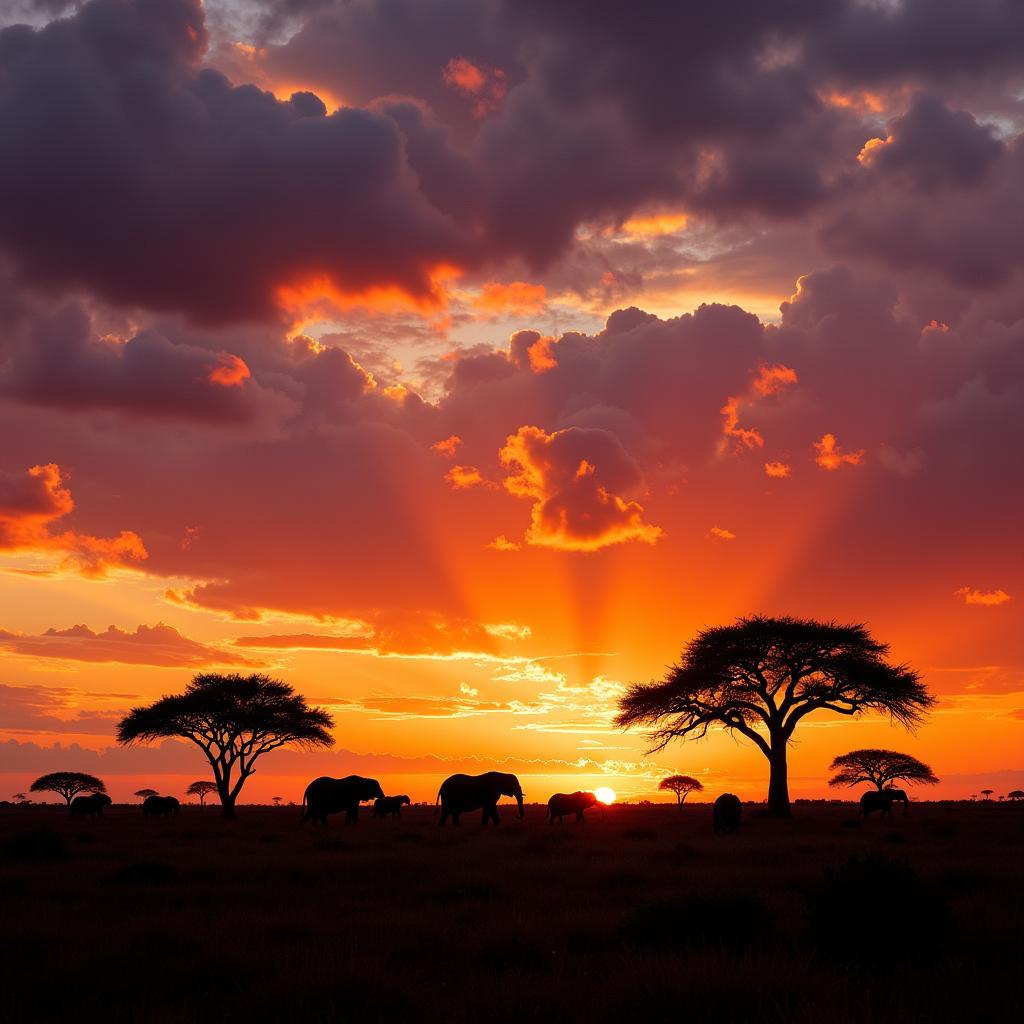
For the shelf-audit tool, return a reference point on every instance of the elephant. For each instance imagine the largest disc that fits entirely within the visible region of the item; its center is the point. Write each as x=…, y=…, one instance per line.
x=90, y=806
x=725, y=813
x=898, y=796
x=876, y=800
x=460, y=793
x=325, y=796
x=160, y=807
x=569, y=803
x=385, y=806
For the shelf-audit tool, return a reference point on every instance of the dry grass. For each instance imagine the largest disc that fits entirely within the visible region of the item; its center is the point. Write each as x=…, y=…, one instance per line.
x=642, y=913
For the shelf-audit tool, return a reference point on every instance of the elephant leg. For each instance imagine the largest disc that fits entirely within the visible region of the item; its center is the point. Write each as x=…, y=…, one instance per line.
x=455, y=817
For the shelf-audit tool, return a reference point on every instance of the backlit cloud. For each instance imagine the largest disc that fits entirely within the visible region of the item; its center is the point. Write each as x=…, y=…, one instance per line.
x=830, y=456
x=984, y=598
x=31, y=503
x=575, y=479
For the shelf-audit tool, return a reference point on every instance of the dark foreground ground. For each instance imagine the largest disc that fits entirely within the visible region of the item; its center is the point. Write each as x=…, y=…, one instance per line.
x=642, y=915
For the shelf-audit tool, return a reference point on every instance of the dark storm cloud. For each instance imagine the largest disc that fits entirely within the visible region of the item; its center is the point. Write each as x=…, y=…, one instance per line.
x=128, y=170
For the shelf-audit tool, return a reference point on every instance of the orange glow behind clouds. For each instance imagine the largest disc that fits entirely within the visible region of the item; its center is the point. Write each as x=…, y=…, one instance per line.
x=985, y=598
x=516, y=298
x=829, y=456
x=231, y=372
x=605, y=794
x=319, y=298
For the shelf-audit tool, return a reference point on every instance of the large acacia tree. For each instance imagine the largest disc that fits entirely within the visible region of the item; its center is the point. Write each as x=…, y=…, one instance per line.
x=761, y=676
x=234, y=720
x=682, y=786
x=880, y=768
x=68, y=784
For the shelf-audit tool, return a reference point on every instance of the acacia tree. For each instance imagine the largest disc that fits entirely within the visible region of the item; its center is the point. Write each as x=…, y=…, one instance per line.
x=234, y=720
x=880, y=768
x=987, y=793
x=144, y=793
x=20, y=798
x=68, y=784
x=760, y=677
x=202, y=790
x=1016, y=794
x=682, y=786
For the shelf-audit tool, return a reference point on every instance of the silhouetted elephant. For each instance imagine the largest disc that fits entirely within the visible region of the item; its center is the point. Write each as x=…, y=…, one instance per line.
x=90, y=806
x=897, y=796
x=569, y=803
x=325, y=796
x=725, y=813
x=160, y=807
x=460, y=793
x=876, y=800
x=384, y=806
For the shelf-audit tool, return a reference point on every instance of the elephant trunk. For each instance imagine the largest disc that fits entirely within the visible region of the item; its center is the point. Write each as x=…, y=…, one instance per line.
x=519, y=801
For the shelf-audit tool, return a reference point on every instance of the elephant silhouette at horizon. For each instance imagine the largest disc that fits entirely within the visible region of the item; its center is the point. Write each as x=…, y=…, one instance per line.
x=878, y=800
x=570, y=803
x=725, y=814
x=90, y=806
x=160, y=807
x=325, y=796
x=389, y=806
x=897, y=796
x=460, y=793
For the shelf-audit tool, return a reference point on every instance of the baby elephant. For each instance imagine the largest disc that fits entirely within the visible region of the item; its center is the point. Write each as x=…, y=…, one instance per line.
x=389, y=806
x=725, y=814
x=160, y=807
x=90, y=806
x=569, y=803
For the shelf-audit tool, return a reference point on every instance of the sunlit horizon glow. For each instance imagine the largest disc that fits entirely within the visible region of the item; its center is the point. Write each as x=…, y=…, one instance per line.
x=462, y=399
x=605, y=794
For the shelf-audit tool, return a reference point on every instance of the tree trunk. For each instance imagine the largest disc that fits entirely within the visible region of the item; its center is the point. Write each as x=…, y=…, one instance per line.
x=227, y=800
x=778, y=780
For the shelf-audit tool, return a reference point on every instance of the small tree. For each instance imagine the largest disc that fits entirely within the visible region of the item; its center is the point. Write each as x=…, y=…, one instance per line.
x=277, y=800
x=987, y=793
x=234, y=720
x=201, y=790
x=880, y=768
x=682, y=786
x=762, y=676
x=68, y=784
x=20, y=798
x=1016, y=794
x=144, y=793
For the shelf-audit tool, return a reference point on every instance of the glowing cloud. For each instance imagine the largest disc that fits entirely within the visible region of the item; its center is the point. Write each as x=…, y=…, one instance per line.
x=572, y=477
x=448, y=446
x=502, y=543
x=770, y=380
x=462, y=478
x=777, y=470
x=484, y=85
x=717, y=533
x=232, y=371
x=519, y=298
x=829, y=456
x=983, y=598
x=32, y=502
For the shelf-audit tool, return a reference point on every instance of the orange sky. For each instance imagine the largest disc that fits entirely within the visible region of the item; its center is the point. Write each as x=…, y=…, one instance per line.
x=458, y=378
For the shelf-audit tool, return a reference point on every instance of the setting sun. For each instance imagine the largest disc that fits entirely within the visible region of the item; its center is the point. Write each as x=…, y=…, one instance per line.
x=605, y=795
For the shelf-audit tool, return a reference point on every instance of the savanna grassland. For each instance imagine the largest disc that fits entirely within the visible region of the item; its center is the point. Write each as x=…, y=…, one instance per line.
x=641, y=913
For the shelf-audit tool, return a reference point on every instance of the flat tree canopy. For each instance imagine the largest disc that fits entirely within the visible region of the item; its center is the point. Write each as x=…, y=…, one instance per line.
x=880, y=768
x=202, y=790
x=68, y=784
x=761, y=676
x=234, y=720
x=682, y=786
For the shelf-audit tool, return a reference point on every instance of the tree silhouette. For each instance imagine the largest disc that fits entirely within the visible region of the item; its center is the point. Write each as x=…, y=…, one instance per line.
x=761, y=676
x=987, y=793
x=68, y=784
x=682, y=786
x=145, y=792
x=880, y=768
x=22, y=799
x=202, y=790
x=277, y=800
x=1014, y=794
x=234, y=720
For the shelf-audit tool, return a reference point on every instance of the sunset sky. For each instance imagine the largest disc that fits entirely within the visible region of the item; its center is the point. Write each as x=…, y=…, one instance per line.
x=456, y=361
